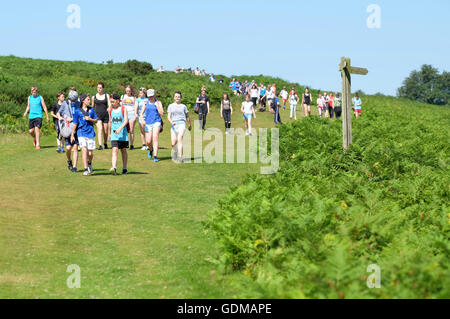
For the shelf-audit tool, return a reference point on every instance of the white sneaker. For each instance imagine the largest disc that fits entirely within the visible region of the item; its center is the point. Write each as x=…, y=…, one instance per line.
x=113, y=171
x=144, y=148
x=86, y=173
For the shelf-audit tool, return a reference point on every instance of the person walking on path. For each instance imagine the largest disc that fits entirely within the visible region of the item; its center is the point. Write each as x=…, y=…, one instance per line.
x=284, y=95
x=151, y=114
x=203, y=110
x=306, y=102
x=35, y=106
x=276, y=114
x=101, y=104
x=141, y=101
x=249, y=112
x=321, y=105
x=129, y=102
x=357, y=104
x=54, y=111
x=178, y=116
x=119, y=134
x=293, y=101
x=84, y=119
x=226, y=111
x=337, y=105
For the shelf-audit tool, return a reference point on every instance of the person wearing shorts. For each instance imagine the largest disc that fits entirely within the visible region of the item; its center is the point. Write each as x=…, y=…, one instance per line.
x=151, y=114
x=357, y=103
x=130, y=104
x=306, y=101
x=262, y=98
x=141, y=101
x=248, y=111
x=55, y=108
x=84, y=119
x=101, y=104
x=178, y=115
x=117, y=128
x=35, y=106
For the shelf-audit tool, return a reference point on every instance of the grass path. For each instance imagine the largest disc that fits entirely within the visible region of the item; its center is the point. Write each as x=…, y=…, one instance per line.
x=135, y=236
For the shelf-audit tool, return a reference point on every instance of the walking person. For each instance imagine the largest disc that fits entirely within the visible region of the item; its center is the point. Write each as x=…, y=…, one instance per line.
x=249, y=112
x=306, y=102
x=331, y=105
x=178, y=115
x=254, y=94
x=357, y=104
x=151, y=114
x=84, y=119
x=129, y=102
x=262, y=98
x=117, y=127
x=338, y=105
x=284, y=95
x=141, y=101
x=326, y=100
x=101, y=104
x=35, y=106
x=321, y=105
x=293, y=101
x=276, y=113
x=203, y=110
x=65, y=115
x=54, y=111
x=226, y=111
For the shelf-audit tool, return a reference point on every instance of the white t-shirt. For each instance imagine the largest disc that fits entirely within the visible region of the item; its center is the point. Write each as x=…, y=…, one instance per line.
x=271, y=94
x=254, y=93
x=293, y=99
x=284, y=94
x=247, y=106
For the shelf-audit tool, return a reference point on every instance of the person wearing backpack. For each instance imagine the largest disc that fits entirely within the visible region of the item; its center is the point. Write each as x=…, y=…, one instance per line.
x=203, y=107
x=54, y=110
x=117, y=128
x=65, y=116
x=84, y=119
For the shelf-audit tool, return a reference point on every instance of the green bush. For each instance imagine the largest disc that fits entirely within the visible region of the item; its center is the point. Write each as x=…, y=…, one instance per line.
x=311, y=230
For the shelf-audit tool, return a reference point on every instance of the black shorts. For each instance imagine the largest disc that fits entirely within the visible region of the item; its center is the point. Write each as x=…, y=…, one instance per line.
x=104, y=117
x=37, y=122
x=119, y=144
x=69, y=143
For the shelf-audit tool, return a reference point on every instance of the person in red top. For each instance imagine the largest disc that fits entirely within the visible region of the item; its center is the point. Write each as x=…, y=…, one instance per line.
x=331, y=105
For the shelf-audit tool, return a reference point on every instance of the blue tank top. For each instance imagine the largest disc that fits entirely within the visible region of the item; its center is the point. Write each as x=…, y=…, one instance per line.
x=263, y=92
x=151, y=114
x=117, y=119
x=35, y=107
x=141, y=102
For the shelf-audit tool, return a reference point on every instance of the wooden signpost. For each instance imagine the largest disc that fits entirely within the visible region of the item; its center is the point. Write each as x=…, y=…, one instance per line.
x=346, y=71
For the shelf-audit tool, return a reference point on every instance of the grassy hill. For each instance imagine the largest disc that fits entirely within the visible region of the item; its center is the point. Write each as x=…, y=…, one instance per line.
x=220, y=230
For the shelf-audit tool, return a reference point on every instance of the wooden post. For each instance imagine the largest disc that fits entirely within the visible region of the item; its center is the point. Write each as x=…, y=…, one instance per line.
x=346, y=71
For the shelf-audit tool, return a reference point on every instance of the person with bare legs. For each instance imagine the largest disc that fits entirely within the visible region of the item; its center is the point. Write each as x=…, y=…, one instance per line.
x=151, y=114
x=129, y=102
x=101, y=104
x=178, y=116
x=306, y=102
x=35, y=106
x=117, y=128
x=141, y=101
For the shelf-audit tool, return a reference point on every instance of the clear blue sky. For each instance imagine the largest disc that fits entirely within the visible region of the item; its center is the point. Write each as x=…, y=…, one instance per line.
x=300, y=41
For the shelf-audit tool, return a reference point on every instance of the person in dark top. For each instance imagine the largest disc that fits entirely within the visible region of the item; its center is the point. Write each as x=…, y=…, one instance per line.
x=276, y=114
x=55, y=108
x=203, y=103
x=101, y=104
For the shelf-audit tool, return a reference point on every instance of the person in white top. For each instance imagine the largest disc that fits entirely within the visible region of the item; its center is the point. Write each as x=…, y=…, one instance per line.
x=129, y=102
x=248, y=110
x=293, y=101
x=321, y=105
x=284, y=96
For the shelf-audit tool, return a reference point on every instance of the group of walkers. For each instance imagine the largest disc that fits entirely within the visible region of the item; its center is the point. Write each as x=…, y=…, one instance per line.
x=115, y=117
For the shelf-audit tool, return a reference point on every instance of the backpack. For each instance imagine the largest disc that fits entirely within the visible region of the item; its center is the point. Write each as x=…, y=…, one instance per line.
x=66, y=127
x=122, y=108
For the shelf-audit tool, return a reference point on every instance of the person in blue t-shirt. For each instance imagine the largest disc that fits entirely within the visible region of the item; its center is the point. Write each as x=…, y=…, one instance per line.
x=84, y=119
x=238, y=87
x=233, y=86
